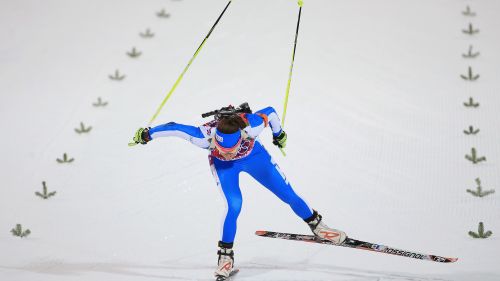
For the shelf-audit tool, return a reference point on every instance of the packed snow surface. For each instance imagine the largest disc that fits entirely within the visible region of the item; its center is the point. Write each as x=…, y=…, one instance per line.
x=375, y=126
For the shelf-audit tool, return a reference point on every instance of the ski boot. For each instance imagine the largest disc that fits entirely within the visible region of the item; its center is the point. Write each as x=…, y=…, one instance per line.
x=225, y=268
x=322, y=231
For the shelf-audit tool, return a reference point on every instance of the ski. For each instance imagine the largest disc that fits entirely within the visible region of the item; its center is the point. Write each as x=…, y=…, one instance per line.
x=224, y=278
x=357, y=244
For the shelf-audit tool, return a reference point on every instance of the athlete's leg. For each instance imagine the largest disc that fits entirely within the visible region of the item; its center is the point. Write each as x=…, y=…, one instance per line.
x=267, y=172
x=227, y=179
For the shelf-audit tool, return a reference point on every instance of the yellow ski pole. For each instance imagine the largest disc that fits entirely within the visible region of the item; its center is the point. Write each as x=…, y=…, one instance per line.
x=184, y=71
x=300, y=3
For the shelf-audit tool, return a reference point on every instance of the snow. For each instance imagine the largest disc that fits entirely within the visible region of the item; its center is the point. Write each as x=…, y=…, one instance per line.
x=375, y=121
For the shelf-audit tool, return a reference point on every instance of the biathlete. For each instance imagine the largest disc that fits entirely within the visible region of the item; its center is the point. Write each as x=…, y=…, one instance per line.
x=234, y=147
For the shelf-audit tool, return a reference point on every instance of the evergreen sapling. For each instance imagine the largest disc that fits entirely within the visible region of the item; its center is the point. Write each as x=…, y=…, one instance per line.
x=470, y=54
x=100, y=103
x=19, y=232
x=470, y=76
x=45, y=194
x=134, y=53
x=163, y=14
x=479, y=190
x=473, y=157
x=147, y=34
x=83, y=129
x=480, y=232
x=65, y=159
x=471, y=131
x=471, y=103
x=471, y=30
x=468, y=12
x=117, y=76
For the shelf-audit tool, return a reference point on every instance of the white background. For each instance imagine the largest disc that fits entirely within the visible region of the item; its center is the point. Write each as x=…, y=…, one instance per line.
x=375, y=121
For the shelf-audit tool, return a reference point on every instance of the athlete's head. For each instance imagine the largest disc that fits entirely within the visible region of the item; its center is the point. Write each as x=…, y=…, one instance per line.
x=228, y=135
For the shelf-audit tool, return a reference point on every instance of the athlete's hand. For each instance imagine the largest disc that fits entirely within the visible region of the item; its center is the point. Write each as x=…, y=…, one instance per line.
x=142, y=136
x=280, y=140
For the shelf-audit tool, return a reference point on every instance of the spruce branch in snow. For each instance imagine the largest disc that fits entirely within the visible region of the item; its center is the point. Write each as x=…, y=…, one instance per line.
x=18, y=231
x=471, y=131
x=147, y=34
x=468, y=12
x=473, y=157
x=134, y=53
x=100, y=103
x=471, y=30
x=163, y=14
x=480, y=232
x=470, y=76
x=83, y=129
x=471, y=103
x=470, y=54
x=65, y=159
x=479, y=190
x=45, y=194
x=116, y=76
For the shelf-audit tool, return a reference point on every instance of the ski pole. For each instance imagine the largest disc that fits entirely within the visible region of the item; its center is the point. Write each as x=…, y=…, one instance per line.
x=282, y=151
x=185, y=69
x=300, y=3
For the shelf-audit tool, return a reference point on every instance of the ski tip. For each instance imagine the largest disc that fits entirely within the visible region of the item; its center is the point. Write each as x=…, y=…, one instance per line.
x=453, y=259
x=260, y=232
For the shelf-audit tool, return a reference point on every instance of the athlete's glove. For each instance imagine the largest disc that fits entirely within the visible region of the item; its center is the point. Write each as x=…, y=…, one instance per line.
x=280, y=140
x=142, y=136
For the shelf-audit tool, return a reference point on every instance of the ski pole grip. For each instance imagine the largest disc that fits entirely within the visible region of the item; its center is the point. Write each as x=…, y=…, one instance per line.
x=300, y=3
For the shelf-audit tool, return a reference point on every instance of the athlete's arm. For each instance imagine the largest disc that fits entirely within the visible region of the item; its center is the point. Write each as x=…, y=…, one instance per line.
x=261, y=119
x=196, y=135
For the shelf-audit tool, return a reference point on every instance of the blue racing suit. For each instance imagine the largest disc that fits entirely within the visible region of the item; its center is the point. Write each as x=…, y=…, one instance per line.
x=251, y=158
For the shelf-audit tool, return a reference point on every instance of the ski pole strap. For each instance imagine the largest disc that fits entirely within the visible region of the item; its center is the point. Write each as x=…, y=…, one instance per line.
x=187, y=66
x=291, y=66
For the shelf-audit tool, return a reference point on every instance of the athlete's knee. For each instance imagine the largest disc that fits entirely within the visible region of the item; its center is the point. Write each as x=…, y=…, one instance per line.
x=234, y=207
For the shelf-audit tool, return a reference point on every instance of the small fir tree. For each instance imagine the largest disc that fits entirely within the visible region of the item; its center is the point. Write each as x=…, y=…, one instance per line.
x=470, y=76
x=479, y=190
x=117, y=76
x=473, y=157
x=471, y=131
x=163, y=14
x=470, y=54
x=471, y=30
x=147, y=34
x=480, y=232
x=99, y=103
x=45, y=194
x=65, y=159
x=134, y=53
x=19, y=232
x=471, y=103
x=83, y=129
x=468, y=12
